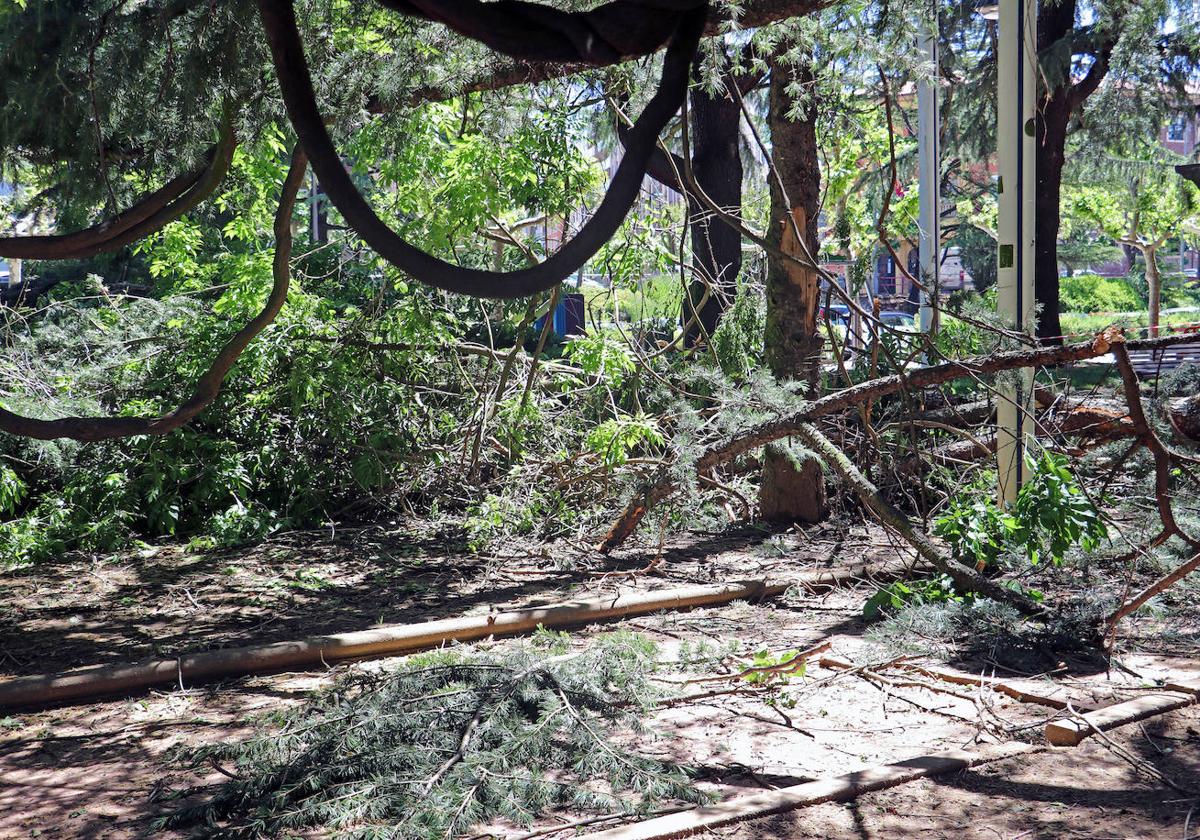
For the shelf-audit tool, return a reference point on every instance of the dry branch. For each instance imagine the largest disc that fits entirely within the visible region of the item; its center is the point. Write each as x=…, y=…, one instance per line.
x=958, y=678
x=1161, y=585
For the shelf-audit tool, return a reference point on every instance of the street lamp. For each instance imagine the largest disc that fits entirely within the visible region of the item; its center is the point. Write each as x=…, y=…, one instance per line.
x=1016, y=146
x=929, y=170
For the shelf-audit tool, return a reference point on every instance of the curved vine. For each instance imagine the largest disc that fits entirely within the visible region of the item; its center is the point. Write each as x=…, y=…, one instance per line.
x=149, y=215
x=208, y=386
x=291, y=69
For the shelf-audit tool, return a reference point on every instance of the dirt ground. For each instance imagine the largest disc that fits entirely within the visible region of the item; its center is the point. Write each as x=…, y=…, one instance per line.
x=97, y=770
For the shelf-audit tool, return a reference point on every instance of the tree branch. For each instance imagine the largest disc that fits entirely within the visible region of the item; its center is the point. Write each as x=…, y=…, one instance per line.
x=663, y=485
x=291, y=69
x=149, y=215
x=208, y=386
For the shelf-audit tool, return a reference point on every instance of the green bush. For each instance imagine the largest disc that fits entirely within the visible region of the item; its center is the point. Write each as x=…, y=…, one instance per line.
x=1092, y=293
x=1177, y=292
x=1052, y=515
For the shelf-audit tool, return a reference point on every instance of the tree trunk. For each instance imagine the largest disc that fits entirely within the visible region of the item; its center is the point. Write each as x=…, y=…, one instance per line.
x=1056, y=21
x=793, y=488
x=1052, y=138
x=1154, y=286
x=1184, y=414
x=716, y=246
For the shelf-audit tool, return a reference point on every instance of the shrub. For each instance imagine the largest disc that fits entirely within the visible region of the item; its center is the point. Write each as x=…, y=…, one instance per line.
x=1092, y=293
x=1052, y=514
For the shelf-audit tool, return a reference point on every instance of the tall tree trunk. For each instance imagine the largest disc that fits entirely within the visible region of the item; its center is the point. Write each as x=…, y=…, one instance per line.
x=1154, y=286
x=1051, y=155
x=716, y=247
x=1056, y=21
x=793, y=488
x=714, y=127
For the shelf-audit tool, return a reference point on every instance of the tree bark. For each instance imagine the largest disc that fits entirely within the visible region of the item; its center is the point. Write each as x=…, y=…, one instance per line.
x=1056, y=27
x=1154, y=286
x=1051, y=155
x=1184, y=415
x=716, y=246
x=793, y=488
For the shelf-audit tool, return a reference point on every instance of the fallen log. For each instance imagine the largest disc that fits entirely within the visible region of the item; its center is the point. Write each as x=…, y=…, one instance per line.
x=837, y=789
x=1184, y=416
x=115, y=680
x=1071, y=731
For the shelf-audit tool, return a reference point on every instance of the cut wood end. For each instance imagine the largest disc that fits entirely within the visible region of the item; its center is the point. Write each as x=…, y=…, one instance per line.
x=1105, y=340
x=1066, y=733
x=1187, y=687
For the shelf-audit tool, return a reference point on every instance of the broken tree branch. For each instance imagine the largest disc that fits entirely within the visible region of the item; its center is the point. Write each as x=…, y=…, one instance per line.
x=663, y=485
x=965, y=578
x=208, y=386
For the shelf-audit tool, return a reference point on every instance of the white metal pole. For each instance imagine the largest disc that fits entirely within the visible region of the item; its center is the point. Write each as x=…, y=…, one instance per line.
x=1017, y=72
x=928, y=129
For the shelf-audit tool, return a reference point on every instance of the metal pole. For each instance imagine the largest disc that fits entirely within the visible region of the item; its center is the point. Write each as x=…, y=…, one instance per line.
x=928, y=129
x=1017, y=71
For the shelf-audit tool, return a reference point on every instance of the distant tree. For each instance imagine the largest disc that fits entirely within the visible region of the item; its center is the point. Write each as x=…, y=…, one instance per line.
x=1141, y=206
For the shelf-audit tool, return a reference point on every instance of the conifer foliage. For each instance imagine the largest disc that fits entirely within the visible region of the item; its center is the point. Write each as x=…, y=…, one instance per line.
x=448, y=742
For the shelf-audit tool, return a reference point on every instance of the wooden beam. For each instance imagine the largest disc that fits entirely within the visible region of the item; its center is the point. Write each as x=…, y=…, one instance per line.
x=1071, y=731
x=111, y=680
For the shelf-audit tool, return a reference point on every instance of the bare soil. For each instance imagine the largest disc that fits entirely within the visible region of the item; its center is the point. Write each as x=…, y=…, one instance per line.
x=98, y=770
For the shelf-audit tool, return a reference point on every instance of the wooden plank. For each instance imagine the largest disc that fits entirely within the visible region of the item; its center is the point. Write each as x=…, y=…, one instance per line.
x=1070, y=732
x=836, y=789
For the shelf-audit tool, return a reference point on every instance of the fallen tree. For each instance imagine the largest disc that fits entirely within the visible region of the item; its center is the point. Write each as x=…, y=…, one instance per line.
x=662, y=485
x=801, y=425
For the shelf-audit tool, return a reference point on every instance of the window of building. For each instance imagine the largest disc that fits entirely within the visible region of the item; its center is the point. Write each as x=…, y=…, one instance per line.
x=885, y=270
x=1177, y=128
